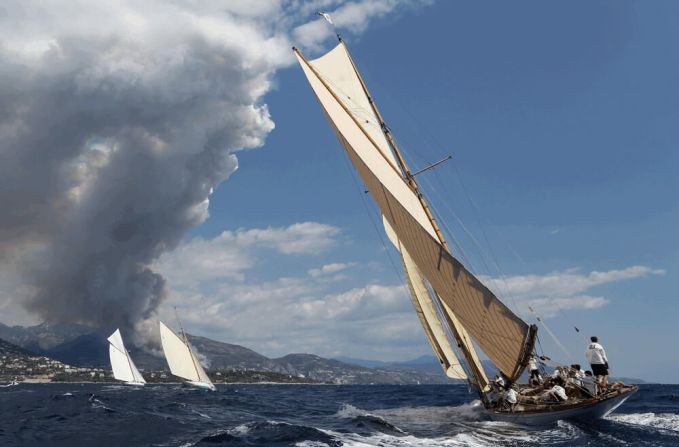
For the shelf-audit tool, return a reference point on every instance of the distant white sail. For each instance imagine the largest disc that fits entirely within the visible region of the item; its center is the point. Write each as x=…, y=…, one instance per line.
x=122, y=365
x=181, y=359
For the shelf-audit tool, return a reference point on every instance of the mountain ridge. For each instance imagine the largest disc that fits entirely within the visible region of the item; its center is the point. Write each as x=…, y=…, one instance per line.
x=83, y=346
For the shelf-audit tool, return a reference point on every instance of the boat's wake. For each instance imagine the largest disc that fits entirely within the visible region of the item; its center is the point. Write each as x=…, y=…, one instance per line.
x=662, y=421
x=486, y=435
x=463, y=425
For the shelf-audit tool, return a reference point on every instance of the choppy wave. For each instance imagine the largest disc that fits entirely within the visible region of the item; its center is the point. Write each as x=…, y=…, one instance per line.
x=664, y=421
x=271, y=433
x=307, y=416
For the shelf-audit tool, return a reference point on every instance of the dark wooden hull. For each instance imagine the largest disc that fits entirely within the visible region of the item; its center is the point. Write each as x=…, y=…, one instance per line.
x=586, y=410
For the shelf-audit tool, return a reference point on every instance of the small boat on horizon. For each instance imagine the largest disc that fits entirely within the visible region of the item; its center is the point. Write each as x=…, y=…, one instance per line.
x=14, y=382
x=122, y=365
x=182, y=360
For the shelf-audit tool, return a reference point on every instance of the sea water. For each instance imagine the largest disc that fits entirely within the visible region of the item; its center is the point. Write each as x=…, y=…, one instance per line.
x=306, y=415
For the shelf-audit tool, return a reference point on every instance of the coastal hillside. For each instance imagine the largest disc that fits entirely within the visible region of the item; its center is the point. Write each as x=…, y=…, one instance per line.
x=16, y=361
x=87, y=348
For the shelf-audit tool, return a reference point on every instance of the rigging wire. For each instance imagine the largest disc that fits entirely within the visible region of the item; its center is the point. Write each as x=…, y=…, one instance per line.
x=549, y=331
x=412, y=118
x=373, y=120
x=362, y=192
x=451, y=234
x=483, y=253
x=369, y=114
x=369, y=117
x=378, y=230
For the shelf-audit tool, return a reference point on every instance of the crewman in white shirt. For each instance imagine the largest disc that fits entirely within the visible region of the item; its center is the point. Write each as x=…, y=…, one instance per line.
x=596, y=356
x=534, y=378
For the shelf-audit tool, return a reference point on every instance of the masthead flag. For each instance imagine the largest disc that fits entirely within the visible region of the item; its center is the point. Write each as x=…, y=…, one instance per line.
x=326, y=16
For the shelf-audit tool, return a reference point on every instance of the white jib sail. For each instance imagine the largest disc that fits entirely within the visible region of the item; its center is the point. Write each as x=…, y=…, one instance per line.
x=122, y=365
x=426, y=311
x=180, y=358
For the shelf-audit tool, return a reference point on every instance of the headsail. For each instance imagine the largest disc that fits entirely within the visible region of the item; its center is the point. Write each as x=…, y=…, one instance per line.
x=181, y=359
x=122, y=365
x=504, y=337
x=425, y=303
x=426, y=312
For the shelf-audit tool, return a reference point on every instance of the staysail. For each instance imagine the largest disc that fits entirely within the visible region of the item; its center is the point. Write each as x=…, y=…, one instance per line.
x=122, y=365
x=181, y=359
x=503, y=336
x=425, y=303
x=426, y=312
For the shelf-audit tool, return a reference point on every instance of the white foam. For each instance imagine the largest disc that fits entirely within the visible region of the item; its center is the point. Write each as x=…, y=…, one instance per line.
x=239, y=430
x=463, y=425
x=384, y=440
x=484, y=434
x=663, y=421
x=311, y=444
x=348, y=411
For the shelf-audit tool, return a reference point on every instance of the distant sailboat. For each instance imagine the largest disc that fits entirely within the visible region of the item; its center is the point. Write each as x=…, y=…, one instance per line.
x=122, y=365
x=182, y=360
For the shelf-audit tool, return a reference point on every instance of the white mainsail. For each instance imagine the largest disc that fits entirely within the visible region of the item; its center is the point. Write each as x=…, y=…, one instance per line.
x=503, y=336
x=122, y=365
x=181, y=359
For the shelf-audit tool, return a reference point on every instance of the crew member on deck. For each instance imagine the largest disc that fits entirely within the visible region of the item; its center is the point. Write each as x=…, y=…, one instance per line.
x=534, y=378
x=596, y=356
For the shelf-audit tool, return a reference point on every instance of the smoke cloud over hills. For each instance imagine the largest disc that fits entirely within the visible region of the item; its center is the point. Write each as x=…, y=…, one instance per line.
x=117, y=120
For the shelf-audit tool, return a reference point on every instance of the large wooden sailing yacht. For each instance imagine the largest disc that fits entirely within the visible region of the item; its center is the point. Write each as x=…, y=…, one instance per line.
x=447, y=297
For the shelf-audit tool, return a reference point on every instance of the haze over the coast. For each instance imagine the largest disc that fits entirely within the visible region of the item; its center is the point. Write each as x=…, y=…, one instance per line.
x=122, y=127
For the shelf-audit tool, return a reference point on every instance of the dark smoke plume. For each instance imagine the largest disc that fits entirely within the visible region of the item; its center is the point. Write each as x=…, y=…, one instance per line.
x=117, y=120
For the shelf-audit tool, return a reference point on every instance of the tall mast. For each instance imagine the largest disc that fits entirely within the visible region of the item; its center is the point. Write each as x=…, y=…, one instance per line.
x=129, y=363
x=409, y=179
x=408, y=176
x=125, y=353
x=186, y=342
x=462, y=344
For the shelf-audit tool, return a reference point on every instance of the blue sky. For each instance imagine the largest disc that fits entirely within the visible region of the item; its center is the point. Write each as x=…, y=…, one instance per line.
x=561, y=193
x=561, y=120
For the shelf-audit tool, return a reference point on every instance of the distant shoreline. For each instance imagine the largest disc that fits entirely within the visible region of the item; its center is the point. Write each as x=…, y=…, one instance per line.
x=46, y=381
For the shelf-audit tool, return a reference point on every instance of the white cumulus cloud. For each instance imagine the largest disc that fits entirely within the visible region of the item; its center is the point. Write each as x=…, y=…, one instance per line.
x=217, y=286
x=330, y=309
x=549, y=293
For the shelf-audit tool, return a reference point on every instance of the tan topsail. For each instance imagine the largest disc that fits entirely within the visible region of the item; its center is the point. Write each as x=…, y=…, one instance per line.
x=504, y=337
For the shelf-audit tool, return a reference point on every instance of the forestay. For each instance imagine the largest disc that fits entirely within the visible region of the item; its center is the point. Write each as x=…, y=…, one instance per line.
x=502, y=335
